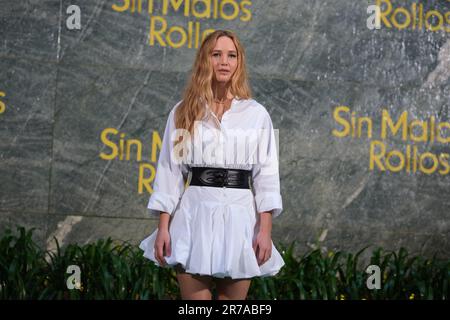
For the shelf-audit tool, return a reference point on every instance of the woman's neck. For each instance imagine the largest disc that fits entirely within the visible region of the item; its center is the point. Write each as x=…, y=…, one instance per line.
x=221, y=91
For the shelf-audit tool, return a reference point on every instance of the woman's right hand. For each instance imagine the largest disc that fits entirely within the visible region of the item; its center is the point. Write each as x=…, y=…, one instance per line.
x=162, y=245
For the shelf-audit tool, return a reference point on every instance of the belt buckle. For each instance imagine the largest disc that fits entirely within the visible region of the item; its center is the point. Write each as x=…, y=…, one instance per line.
x=221, y=177
x=224, y=178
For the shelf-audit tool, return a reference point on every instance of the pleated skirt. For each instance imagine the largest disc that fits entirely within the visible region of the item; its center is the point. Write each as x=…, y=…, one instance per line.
x=212, y=232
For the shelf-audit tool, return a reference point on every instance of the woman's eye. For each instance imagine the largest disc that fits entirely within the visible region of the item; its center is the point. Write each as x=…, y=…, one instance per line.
x=232, y=56
x=216, y=54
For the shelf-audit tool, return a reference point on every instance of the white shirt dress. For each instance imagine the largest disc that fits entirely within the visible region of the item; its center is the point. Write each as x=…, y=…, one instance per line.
x=212, y=229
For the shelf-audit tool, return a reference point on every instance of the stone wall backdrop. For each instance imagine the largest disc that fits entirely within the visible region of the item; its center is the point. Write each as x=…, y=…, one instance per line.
x=73, y=99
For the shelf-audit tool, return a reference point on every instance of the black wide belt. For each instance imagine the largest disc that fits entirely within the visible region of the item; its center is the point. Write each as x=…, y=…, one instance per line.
x=220, y=177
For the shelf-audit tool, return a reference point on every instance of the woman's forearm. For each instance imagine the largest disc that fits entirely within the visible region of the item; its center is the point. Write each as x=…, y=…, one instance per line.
x=164, y=218
x=266, y=222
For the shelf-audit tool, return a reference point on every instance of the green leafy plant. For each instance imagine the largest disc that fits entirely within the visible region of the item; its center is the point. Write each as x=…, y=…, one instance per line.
x=117, y=270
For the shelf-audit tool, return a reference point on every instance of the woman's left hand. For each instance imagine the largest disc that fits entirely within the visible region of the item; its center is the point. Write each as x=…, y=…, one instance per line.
x=262, y=245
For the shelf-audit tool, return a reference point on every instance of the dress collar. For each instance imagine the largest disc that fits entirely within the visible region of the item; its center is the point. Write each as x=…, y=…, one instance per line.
x=209, y=112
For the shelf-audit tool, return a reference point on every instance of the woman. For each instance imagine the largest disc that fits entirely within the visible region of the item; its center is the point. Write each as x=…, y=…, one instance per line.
x=215, y=202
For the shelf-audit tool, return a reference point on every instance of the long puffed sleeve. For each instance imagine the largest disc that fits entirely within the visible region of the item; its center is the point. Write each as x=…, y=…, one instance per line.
x=168, y=185
x=265, y=173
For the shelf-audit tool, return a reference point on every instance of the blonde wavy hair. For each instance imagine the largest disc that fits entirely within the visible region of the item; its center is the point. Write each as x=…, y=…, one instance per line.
x=199, y=87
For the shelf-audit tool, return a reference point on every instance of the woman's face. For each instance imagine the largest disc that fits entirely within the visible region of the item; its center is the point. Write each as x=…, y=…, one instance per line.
x=224, y=59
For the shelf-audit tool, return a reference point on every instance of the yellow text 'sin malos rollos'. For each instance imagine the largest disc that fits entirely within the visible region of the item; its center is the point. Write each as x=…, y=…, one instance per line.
x=413, y=132
x=191, y=33
x=414, y=16
x=116, y=146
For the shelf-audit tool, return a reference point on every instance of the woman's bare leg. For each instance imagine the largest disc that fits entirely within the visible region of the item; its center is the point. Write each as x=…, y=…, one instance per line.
x=232, y=289
x=194, y=287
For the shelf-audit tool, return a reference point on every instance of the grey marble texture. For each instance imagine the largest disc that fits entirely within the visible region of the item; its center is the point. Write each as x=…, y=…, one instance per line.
x=306, y=39
x=83, y=229
x=136, y=106
x=26, y=134
x=305, y=57
x=30, y=29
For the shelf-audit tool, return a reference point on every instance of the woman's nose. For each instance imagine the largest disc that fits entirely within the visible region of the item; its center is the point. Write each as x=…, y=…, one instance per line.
x=224, y=59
